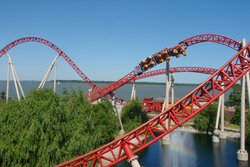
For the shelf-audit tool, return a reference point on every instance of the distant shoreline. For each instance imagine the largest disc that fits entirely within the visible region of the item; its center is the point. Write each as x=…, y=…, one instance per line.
x=138, y=83
x=108, y=82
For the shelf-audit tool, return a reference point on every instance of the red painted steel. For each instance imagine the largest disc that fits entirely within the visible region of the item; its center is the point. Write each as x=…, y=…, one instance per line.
x=103, y=91
x=202, y=70
x=60, y=52
x=53, y=46
x=213, y=38
x=99, y=92
x=200, y=97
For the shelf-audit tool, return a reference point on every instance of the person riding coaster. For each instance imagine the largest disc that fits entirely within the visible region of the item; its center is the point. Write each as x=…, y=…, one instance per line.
x=160, y=57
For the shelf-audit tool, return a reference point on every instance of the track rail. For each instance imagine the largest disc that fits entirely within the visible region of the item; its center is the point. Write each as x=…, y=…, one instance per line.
x=53, y=46
x=202, y=70
x=200, y=97
x=60, y=52
x=100, y=92
x=213, y=38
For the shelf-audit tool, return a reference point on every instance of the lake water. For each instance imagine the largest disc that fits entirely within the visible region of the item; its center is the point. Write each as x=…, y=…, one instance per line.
x=190, y=150
x=124, y=92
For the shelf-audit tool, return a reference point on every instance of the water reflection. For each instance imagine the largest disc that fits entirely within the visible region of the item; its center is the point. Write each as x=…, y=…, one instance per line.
x=191, y=150
x=181, y=151
x=218, y=158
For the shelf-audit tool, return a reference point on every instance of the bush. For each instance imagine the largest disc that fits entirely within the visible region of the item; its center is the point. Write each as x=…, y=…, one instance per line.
x=132, y=115
x=206, y=119
x=236, y=118
x=247, y=131
x=46, y=129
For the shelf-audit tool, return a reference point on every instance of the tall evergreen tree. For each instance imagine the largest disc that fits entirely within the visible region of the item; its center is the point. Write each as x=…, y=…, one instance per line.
x=235, y=97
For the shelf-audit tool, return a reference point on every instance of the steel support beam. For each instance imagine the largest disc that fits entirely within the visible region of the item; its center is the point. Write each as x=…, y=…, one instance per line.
x=8, y=81
x=132, y=159
x=166, y=139
x=172, y=89
x=48, y=73
x=133, y=94
x=242, y=154
x=222, y=133
x=215, y=138
x=15, y=78
x=55, y=74
x=118, y=114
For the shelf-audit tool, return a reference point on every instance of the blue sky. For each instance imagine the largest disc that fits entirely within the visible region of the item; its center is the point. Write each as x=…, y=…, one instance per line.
x=106, y=39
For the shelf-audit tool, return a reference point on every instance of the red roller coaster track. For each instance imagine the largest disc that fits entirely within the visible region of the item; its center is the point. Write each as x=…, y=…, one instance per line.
x=103, y=91
x=99, y=92
x=53, y=46
x=203, y=93
x=235, y=68
x=202, y=70
x=201, y=97
x=213, y=38
x=59, y=51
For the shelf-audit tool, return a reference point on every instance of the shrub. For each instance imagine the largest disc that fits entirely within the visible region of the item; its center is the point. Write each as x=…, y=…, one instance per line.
x=236, y=118
x=132, y=115
x=206, y=119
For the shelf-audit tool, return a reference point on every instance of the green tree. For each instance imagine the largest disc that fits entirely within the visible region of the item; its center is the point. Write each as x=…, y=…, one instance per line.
x=247, y=128
x=44, y=130
x=236, y=117
x=104, y=115
x=235, y=97
x=2, y=95
x=235, y=101
x=132, y=115
x=206, y=119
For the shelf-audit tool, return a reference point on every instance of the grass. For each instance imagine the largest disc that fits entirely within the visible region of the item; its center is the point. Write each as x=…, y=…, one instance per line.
x=232, y=126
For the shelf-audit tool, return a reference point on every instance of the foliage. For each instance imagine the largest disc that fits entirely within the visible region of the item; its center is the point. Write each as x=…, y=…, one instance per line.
x=206, y=119
x=132, y=115
x=236, y=118
x=2, y=95
x=235, y=101
x=235, y=97
x=46, y=129
x=247, y=128
x=104, y=115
